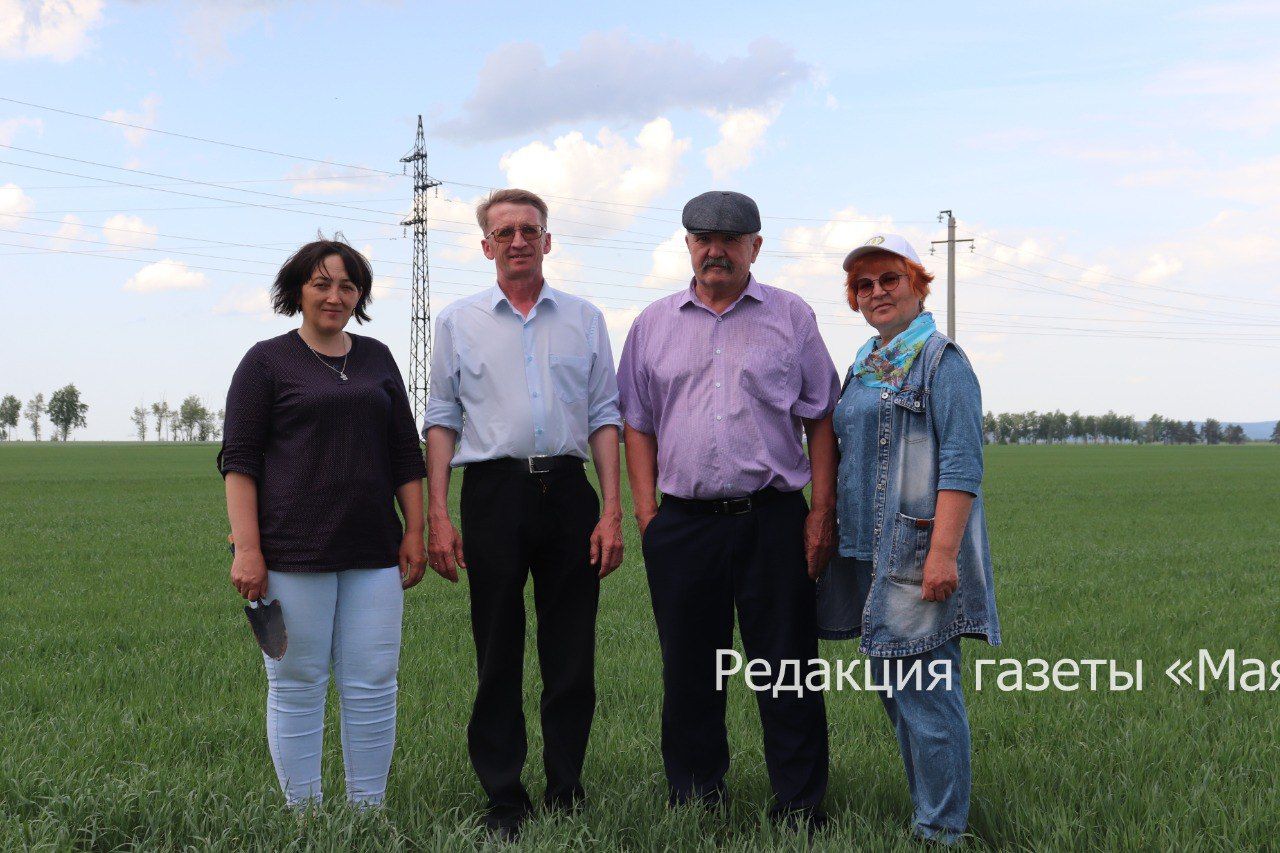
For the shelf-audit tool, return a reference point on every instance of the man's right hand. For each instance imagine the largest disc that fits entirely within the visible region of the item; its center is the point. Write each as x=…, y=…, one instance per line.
x=643, y=517
x=444, y=548
x=249, y=574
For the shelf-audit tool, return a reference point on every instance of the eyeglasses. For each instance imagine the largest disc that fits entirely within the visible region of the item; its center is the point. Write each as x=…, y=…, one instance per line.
x=888, y=282
x=528, y=232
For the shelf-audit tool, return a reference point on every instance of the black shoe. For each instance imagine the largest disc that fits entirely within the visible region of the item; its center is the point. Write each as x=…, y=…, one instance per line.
x=809, y=820
x=504, y=823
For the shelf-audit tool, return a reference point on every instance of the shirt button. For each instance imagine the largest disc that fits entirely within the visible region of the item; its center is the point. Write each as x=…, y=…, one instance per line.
x=884, y=441
x=717, y=384
x=717, y=350
x=528, y=359
x=538, y=431
x=719, y=417
x=534, y=394
x=884, y=396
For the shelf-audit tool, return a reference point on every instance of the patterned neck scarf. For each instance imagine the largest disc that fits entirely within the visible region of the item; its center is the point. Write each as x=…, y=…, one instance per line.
x=887, y=367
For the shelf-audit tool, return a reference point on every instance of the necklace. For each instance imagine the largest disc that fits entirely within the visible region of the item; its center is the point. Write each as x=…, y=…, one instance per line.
x=342, y=372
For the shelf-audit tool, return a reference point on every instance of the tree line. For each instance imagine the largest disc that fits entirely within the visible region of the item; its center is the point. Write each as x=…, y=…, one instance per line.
x=190, y=421
x=1057, y=427
x=64, y=410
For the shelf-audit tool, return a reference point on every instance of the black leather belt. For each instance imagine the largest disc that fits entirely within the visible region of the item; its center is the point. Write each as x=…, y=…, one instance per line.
x=727, y=506
x=529, y=465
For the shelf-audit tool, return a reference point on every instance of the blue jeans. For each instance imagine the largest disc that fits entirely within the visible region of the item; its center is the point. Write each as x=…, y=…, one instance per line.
x=933, y=737
x=932, y=725
x=350, y=620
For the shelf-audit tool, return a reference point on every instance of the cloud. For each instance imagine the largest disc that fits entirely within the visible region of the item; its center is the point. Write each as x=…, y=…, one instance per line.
x=612, y=76
x=1158, y=268
x=326, y=180
x=47, y=29
x=145, y=117
x=611, y=170
x=210, y=23
x=741, y=135
x=671, y=267
x=13, y=202
x=123, y=230
x=251, y=301
x=165, y=275
x=70, y=228
x=11, y=127
x=1256, y=182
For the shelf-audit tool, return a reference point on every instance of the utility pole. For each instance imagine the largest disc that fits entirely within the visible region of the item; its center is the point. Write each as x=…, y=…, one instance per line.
x=420, y=328
x=951, y=269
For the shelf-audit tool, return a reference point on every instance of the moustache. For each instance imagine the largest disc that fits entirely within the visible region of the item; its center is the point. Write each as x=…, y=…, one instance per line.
x=723, y=263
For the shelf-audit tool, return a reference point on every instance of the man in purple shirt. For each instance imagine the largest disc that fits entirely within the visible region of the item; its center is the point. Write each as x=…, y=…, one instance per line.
x=716, y=383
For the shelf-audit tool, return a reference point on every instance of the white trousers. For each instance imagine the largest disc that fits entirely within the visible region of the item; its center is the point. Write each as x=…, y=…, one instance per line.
x=349, y=620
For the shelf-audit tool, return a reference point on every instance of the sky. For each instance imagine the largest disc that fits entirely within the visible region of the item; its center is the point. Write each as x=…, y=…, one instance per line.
x=1115, y=165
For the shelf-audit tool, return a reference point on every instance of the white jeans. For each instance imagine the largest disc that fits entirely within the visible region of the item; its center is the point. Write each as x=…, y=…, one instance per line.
x=350, y=620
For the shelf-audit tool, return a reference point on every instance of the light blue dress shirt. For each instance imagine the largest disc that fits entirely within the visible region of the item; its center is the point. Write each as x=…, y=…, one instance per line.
x=514, y=386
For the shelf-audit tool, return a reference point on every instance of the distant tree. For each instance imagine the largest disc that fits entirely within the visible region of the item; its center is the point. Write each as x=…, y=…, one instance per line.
x=1075, y=425
x=990, y=431
x=35, y=411
x=195, y=421
x=1211, y=431
x=1275, y=433
x=140, y=421
x=66, y=412
x=1090, y=428
x=161, y=412
x=1234, y=434
x=10, y=408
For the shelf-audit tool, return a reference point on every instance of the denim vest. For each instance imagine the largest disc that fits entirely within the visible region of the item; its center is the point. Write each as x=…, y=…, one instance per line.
x=895, y=620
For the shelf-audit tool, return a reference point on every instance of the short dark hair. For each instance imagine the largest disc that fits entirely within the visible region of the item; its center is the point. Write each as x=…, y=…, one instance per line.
x=509, y=196
x=287, y=291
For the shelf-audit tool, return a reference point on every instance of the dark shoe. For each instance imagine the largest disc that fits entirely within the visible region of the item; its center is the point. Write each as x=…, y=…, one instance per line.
x=811, y=821
x=503, y=823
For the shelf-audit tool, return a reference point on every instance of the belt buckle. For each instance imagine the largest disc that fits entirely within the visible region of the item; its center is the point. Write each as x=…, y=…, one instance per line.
x=737, y=506
x=533, y=465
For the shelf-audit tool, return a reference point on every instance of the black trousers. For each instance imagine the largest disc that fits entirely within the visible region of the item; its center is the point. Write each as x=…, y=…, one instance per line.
x=700, y=566
x=514, y=524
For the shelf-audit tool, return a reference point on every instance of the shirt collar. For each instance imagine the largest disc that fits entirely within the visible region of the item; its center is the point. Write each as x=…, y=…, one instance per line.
x=496, y=297
x=690, y=297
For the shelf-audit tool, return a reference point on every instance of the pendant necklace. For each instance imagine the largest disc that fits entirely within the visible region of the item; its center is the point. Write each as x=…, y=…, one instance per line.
x=342, y=372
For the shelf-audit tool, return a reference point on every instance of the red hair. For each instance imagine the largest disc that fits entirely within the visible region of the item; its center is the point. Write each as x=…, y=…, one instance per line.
x=918, y=277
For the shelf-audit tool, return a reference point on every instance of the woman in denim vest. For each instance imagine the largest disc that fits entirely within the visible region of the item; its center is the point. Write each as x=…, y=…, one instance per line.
x=913, y=573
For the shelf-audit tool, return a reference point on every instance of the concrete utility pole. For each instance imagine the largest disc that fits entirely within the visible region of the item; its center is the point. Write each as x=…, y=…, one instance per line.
x=420, y=329
x=951, y=269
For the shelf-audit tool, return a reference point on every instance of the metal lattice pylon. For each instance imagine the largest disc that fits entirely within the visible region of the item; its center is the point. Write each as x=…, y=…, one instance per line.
x=420, y=324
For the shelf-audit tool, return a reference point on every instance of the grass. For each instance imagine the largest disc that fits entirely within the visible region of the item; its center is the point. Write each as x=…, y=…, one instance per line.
x=131, y=693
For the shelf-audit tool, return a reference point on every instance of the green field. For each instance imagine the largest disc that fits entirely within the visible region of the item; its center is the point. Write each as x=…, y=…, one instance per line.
x=132, y=694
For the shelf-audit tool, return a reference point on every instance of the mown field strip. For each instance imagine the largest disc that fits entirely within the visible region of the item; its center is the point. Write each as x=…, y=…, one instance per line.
x=131, y=693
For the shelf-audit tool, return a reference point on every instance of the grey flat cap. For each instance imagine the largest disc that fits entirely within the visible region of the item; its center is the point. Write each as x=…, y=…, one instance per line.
x=722, y=211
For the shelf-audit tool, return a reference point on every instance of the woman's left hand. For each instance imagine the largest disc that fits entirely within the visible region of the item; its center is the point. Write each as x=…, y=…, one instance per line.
x=413, y=558
x=940, y=577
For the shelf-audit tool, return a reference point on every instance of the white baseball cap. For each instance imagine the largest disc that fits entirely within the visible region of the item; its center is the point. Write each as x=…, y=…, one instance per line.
x=894, y=244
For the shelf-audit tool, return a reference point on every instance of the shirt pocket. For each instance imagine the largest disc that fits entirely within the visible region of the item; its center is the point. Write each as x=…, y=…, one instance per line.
x=766, y=375
x=910, y=546
x=569, y=374
x=910, y=408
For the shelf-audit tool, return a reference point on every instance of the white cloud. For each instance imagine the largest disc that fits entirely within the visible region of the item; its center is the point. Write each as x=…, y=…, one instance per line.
x=165, y=275
x=610, y=170
x=319, y=179
x=671, y=267
x=124, y=230
x=250, y=301
x=11, y=127
x=613, y=76
x=1256, y=182
x=741, y=135
x=47, y=29
x=145, y=117
x=13, y=203
x=70, y=227
x=1159, y=267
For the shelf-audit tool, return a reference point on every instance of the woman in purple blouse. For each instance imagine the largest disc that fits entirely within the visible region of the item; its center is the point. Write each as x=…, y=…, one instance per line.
x=319, y=445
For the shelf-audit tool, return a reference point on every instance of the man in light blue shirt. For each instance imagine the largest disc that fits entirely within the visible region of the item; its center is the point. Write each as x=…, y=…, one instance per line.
x=522, y=385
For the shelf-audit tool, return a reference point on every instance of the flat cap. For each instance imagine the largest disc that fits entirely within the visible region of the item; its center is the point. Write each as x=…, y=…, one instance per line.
x=722, y=211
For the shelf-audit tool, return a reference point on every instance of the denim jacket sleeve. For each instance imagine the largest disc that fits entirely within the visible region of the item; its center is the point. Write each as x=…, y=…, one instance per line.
x=956, y=407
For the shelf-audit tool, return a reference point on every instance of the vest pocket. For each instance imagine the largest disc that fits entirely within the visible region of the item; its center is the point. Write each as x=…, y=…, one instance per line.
x=909, y=547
